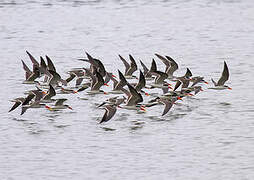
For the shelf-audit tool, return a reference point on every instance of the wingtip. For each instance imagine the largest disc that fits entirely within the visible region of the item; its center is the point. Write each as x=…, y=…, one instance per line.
x=88, y=55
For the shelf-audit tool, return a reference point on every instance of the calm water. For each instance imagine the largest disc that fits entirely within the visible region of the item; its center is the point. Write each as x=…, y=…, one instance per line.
x=210, y=136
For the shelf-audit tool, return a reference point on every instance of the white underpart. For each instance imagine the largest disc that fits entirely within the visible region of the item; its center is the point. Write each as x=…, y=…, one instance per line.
x=158, y=85
x=218, y=88
x=116, y=92
x=95, y=92
x=29, y=82
x=129, y=77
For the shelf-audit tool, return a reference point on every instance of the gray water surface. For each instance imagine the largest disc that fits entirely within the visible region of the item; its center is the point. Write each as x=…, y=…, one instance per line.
x=210, y=136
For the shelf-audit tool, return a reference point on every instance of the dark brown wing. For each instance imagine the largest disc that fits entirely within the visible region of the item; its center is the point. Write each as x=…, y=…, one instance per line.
x=164, y=60
x=92, y=61
x=178, y=83
x=142, y=82
x=51, y=93
x=173, y=66
x=55, y=77
x=115, y=82
x=28, y=99
x=27, y=70
x=84, y=87
x=133, y=66
x=185, y=82
x=122, y=81
x=50, y=64
x=153, y=66
x=144, y=68
x=101, y=69
x=168, y=104
x=160, y=76
x=197, y=80
x=135, y=96
x=34, y=61
x=43, y=64
x=109, y=113
x=225, y=75
x=126, y=64
x=99, y=81
x=71, y=77
x=34, y=75
x=60, y=102
x=23, y=110
x=17, y=103
x=38, y=94
x=188, y=73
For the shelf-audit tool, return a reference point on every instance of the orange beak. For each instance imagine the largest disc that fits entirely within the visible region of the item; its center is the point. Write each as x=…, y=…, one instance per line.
x=201, y=89
x=49, y=108
x=142, y=109
x=179, y=98
x=206, y=82
x=70, y=107
x=75, y=92
x=189, y=94
x=105, y=93
x=229, y=88
x=147, y=94
x=43, y=92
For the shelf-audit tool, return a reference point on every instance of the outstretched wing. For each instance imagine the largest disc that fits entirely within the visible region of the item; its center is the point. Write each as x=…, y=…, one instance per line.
x=142, y=82
x=60, y=102
x=35, y=63
x=144, y=67
x=178, y=83
x=225, y=75
x=161, y=76
x=135, y=96
x=109, y=113
x=126, y=64
x=173, y=67
x=188, y=73
x=27, y=70
x=153, y=66
x=50, y=64
x=168, y=104
x=133, y=66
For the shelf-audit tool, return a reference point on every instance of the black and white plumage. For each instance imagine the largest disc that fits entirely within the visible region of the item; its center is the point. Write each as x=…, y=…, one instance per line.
x=129, y=68
x=110, y=111
x=220, y=85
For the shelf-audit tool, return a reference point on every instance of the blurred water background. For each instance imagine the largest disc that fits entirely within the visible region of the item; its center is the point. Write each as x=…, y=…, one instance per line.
x=210, y=136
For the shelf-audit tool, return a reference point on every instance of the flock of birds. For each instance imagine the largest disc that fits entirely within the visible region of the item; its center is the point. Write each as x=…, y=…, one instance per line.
x=48, y=83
